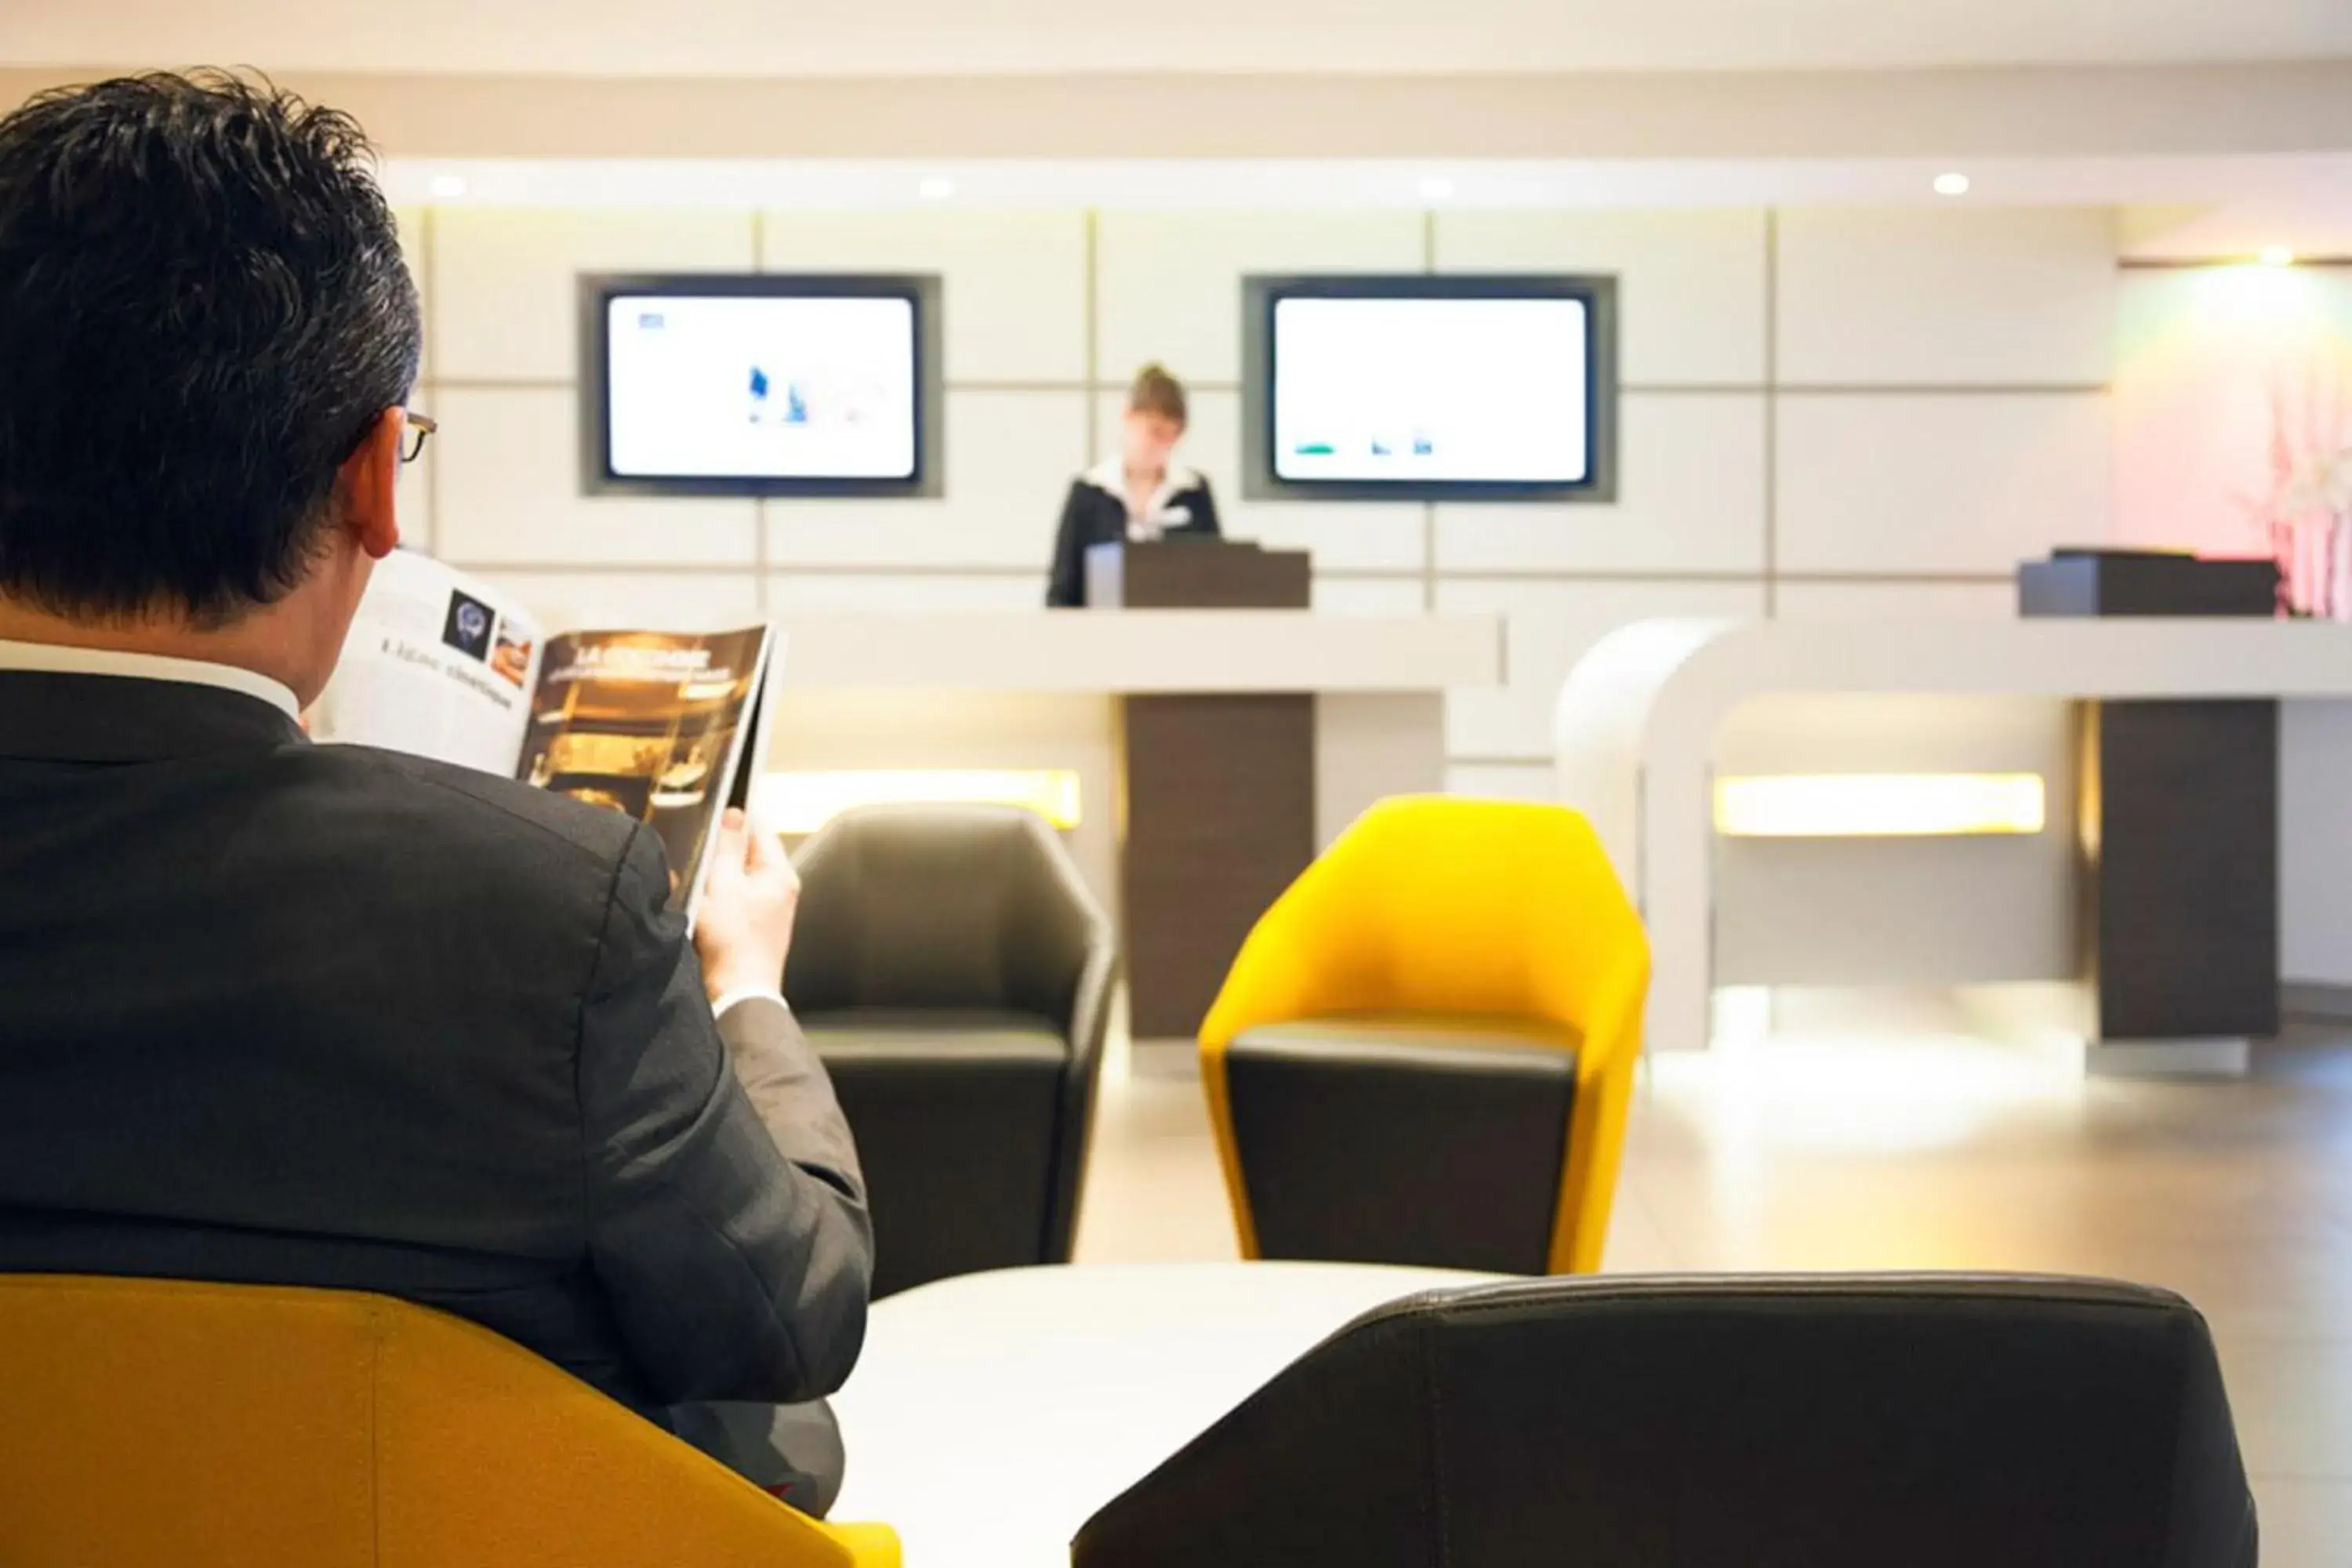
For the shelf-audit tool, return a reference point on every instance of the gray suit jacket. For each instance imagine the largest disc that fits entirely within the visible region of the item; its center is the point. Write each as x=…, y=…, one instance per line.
x=326, y=1015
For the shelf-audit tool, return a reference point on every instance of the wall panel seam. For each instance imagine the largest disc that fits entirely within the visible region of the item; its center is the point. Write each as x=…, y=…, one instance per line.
x=427, y=222
x=1772, y=410
x=1093, y=307
x=582, y=566
x=1946, y=389
x=1026, y=388
x=1557, y=575
x=760, y=503
x=1429, y=508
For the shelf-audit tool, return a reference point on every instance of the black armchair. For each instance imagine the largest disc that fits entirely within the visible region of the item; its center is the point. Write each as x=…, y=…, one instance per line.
x=1824, y=1422
x=954, y=974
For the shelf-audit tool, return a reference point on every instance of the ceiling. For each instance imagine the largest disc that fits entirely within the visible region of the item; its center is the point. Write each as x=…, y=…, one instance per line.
x=2169, y=208
x=769, y=38
x=1359, y=184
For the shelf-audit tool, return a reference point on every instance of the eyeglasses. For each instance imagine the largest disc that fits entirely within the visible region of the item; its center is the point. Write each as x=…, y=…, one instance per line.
x=412, y=441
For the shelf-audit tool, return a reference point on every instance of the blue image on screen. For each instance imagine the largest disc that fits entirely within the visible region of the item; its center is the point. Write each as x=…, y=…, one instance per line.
x=649, y=320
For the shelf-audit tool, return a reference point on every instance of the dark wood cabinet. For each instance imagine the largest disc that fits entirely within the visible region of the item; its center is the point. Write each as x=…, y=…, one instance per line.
x=1217, y=789
x=2180, y=904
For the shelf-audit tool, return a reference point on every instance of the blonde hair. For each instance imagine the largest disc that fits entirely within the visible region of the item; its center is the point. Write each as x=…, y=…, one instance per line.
x=1157, y=392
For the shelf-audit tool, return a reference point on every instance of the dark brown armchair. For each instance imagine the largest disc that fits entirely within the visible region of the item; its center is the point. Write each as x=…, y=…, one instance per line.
x=1797, y=1422
x=955, y=974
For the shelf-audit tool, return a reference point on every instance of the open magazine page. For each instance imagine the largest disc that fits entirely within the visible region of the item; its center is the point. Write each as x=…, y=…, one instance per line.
x=437, y=665
x=652, y=725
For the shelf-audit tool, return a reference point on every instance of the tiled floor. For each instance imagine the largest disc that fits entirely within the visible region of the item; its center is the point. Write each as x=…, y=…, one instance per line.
x=1858, y=1152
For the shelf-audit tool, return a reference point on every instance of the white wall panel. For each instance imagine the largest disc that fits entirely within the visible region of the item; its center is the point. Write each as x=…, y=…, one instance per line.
x=2314, y=843
x=1690, y=284
x=1895, y=601
x=1917, y=484
x=1503, y=781
x=1168, y=284
x=1690, y=498
x=802, y=594
x=1009, y=459
x=504, y=280
x=1015, y=282
x=1947, y=296
x=1548, y=627
x=662, y=600
x=1342, y=536
x=413, y=502
x=1961, y=483
x=1360, y=536
x=509, y=493
x=411, y=223
x=1367, y=595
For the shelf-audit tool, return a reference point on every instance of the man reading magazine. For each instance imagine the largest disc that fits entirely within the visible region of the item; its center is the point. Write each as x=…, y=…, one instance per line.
x=663, y=727
x=331, y=1015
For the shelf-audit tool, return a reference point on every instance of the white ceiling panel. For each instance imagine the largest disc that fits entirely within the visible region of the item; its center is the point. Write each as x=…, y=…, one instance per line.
x=766, y=37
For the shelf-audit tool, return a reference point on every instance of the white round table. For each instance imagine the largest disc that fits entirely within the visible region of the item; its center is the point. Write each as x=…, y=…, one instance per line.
x=991, y=1415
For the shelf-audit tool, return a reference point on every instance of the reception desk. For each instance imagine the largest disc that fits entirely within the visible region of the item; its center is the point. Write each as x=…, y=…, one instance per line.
x=1042, y=693
x=1658, y=715
x=1144, y=651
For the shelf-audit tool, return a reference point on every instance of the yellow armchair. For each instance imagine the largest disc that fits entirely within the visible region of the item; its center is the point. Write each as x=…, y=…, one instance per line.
x=166, y=1422
x=1444, y=957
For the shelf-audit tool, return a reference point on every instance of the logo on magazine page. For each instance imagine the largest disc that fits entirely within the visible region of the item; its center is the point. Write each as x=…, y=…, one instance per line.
x=468, y=629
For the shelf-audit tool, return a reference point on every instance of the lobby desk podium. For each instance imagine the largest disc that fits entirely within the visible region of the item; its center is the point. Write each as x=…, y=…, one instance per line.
x=1218, y=788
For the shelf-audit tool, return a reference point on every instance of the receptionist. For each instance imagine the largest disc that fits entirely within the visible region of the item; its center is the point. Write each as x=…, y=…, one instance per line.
x=1140, y=494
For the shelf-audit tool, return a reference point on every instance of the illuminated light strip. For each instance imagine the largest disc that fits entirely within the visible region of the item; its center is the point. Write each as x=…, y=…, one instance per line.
x=1879, y=805
x=799, y=802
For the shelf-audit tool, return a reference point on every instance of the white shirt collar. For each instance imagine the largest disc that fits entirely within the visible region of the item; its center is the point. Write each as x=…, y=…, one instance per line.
x=47, y=659
x=1110, y=475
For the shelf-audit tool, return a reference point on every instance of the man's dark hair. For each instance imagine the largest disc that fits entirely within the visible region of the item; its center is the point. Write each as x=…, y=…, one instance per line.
x=202, y=310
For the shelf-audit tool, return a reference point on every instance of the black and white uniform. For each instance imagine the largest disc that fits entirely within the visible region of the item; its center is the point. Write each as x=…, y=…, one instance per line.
x=1096, y=514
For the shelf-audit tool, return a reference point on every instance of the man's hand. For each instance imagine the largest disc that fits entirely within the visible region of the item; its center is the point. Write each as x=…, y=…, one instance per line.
x=743, y=926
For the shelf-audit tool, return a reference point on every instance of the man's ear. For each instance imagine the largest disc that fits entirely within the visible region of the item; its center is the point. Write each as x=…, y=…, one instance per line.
x=365, y=485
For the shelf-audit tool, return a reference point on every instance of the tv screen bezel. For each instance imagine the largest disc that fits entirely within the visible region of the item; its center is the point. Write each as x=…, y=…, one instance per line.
x=920, y=290
x=1261, y=295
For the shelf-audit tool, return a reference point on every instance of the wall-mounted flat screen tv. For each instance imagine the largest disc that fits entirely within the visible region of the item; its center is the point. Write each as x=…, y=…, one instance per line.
x=1431, y=388
x=762, y=385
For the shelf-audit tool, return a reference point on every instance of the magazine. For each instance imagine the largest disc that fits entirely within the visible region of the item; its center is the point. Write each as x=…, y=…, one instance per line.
x=665, y=727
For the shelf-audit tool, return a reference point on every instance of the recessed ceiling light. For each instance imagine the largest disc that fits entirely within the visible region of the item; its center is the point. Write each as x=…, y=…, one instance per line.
x=2277, y=255
x=1436, y=188
x=1953, y=184
x=936, y=189
x=447, y=185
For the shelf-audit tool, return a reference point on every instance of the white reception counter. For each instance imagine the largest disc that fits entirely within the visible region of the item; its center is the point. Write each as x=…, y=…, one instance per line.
x=1041, y=690
x=1139, y=652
